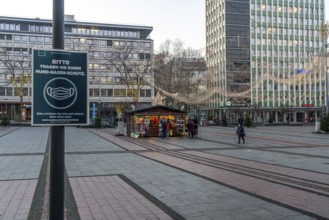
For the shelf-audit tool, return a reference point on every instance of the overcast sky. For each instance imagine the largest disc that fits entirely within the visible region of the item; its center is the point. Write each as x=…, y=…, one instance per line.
x=170, y=19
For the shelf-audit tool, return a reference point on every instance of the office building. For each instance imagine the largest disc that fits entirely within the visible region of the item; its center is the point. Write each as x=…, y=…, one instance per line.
x=115, y=51
x=266, y=58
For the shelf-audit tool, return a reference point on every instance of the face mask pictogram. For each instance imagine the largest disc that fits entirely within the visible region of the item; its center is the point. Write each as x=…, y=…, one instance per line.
x=60, y=93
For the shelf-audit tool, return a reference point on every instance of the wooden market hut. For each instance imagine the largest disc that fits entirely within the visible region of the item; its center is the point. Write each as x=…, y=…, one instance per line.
x=146, y=121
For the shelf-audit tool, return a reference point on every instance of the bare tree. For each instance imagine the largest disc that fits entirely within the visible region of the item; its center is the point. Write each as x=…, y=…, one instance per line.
x=180, y=75
x=19, y=67
x=133, y=67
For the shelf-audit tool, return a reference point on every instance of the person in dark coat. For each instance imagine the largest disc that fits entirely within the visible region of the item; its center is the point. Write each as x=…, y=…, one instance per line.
x=240, y=132
x=163, y=127
x=190, y=127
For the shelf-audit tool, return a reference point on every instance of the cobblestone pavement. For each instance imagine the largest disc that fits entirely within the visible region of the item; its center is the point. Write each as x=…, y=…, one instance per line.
x=281, y=172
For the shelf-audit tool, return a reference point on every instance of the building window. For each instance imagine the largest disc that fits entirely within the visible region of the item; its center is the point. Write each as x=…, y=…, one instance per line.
x=118, y=80
x=2, y=91
x=25, y=39
x=109, y=92
x=25, y=91
x=96, y=93
x=130, y=93
x=145, y=93
x=48, y=40
x=141, y=56
x=17, y=39
x=32, y=39
x=9, y=91
x=39, y=40
x=120, y=92
x=109, y=80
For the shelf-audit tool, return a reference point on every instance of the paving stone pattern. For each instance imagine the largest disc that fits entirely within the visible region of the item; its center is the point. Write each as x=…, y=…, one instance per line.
x=94, y=159
x=108, y=197
x=16, y=198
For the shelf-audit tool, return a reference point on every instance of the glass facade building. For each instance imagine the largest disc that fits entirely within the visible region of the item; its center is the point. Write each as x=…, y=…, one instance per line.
x=266, y=53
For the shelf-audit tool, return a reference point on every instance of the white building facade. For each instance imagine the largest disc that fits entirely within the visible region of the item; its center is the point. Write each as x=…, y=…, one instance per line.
x=108, y=82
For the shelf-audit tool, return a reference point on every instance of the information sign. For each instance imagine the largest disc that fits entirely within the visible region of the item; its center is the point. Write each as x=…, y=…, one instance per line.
x=60, y=88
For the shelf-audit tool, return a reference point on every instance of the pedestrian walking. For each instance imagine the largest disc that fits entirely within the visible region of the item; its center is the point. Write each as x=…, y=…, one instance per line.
x=168, y=128
x=240, y=132
x=190, y=128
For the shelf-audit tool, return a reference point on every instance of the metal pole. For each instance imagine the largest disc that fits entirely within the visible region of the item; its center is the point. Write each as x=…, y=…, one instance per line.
x=56, y=210
x=326, y=72
x=57, y=152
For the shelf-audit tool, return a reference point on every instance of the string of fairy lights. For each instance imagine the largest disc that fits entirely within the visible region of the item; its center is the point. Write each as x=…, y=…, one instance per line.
x=266, y=77
x=313, y=68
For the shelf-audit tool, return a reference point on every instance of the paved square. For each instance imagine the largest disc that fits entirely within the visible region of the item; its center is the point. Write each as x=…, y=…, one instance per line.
x=280, y=173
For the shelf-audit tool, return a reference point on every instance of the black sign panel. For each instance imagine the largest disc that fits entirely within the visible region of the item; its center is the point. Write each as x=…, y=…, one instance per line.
x=60, y=88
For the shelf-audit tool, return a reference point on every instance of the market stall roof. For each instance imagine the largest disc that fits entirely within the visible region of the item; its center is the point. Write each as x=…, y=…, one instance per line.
x=157, y=109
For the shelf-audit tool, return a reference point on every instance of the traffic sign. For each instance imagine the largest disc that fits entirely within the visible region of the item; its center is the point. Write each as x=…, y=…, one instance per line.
x=60, y=88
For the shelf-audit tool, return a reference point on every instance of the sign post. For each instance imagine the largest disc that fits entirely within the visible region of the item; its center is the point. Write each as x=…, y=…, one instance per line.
x=57, y=133
x=60, y=83
x=60, y=97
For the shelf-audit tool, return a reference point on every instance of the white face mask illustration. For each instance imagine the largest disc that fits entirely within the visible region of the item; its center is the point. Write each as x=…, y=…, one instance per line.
x=60, y=93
